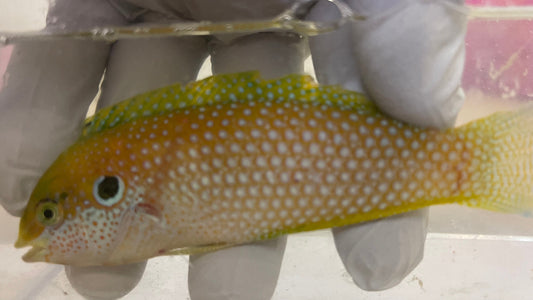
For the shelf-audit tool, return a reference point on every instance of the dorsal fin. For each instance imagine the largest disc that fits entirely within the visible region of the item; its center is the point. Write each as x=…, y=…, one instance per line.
x=219, y=89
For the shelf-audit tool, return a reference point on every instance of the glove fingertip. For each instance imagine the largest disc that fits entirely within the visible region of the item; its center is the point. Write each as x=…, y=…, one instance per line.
x=380, y=254
x=242, y=272
x=105, y=282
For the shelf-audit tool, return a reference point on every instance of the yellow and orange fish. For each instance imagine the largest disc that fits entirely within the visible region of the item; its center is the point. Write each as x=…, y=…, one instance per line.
x=234, y=159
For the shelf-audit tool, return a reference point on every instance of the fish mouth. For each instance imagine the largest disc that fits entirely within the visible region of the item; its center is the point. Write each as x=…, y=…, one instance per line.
x=38, y=251
x=35, y=254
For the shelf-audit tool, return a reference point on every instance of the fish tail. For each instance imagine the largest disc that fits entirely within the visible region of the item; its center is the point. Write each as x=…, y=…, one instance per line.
x=499, y=150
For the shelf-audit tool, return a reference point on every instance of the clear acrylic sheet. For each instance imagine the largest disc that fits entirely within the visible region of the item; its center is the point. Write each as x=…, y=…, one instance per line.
x=286, y=21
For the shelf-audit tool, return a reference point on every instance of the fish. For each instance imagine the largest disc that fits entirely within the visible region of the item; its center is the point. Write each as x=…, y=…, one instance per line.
x=234, y=159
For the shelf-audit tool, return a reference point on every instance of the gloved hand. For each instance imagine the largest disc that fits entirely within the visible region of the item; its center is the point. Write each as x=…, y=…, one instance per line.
x=409, y=60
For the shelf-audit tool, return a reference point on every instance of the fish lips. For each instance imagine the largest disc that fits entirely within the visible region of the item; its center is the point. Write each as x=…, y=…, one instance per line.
x=38, y=252
x=35, y=254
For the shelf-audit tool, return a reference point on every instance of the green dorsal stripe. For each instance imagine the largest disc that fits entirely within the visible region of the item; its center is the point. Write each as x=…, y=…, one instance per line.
x=244, y=86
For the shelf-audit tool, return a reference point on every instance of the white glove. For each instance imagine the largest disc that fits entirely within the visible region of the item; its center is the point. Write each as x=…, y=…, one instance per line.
x=38, y=131
x=44, y=99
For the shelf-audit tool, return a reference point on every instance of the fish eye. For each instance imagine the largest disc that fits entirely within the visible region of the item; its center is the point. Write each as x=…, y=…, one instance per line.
x=108, y=190
x=49, y=212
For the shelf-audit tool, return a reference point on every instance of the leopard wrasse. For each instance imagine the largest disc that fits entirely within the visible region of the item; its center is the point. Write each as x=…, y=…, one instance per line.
x=234, y=159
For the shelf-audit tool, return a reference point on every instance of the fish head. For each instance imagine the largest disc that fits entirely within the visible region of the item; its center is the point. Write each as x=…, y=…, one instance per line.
x=75, y=211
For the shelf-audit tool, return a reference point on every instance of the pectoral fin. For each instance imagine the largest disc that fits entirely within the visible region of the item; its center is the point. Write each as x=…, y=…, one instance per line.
x=149, y=212
x=197, y=249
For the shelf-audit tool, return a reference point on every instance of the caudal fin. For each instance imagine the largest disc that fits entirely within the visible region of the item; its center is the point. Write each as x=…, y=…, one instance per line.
x=501, y=161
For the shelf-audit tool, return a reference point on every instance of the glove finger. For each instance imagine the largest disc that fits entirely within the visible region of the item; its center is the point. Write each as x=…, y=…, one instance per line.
x=332, y=53
x=136, y=66
x=43, y=102
x=274, y=55
x=246, y=272
x=46, y=91
x=411, y=58
x=379, y=254
x=105, y=282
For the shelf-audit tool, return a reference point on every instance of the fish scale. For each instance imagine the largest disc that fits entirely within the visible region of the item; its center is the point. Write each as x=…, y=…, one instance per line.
x=234, y=159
